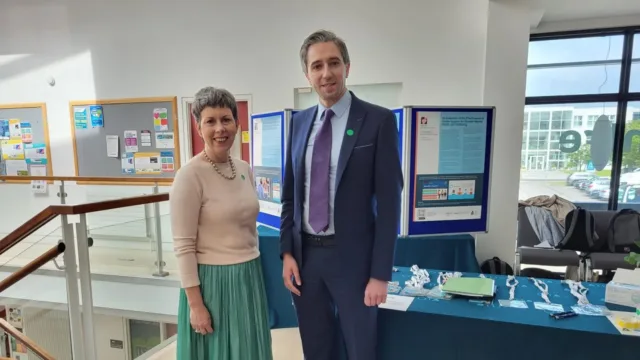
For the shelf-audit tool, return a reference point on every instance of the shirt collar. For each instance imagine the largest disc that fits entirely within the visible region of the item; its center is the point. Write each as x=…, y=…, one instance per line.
x=338, y=108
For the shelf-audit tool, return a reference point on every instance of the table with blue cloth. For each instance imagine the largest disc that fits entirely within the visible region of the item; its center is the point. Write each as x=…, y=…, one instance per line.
x=462, y=329
x=448, y=252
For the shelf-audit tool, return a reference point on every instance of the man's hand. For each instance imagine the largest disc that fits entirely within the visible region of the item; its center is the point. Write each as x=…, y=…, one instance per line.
x=289, y=270
x=375, y=293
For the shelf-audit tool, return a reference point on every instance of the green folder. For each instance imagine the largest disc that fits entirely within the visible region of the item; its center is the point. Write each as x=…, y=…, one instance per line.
x=470, y=286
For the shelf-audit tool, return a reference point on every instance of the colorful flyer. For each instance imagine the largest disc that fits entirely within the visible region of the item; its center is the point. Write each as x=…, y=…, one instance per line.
x=4, y=129
x=160, y=119
x=128, y=165
x=97, y=119
x=80, y=118
x=166, y=158
x=130, y=141
x=12, y=150
x=148, y=163
x=27, y=131
x=15, y=133
x=35, y=153
x=164, y=140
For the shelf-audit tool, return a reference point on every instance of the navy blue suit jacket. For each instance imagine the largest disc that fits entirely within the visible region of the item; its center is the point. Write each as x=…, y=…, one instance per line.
x=368, y=191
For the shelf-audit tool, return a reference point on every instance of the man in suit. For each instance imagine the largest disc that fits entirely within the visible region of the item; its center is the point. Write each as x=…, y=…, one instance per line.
x=340, y=207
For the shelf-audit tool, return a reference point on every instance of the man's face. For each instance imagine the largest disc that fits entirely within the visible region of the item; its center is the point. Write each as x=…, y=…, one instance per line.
x=326, y=71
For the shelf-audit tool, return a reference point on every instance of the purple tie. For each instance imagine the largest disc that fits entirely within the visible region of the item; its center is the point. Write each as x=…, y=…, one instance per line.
x=319, y=187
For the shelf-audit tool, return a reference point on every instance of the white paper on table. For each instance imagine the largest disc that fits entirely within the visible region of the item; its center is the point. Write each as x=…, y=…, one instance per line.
x=113, y=146
x=397, y=302
x=164, y=140
x=17, y=168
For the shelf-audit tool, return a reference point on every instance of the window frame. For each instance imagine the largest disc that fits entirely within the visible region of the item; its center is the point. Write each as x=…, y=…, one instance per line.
x=622, y=97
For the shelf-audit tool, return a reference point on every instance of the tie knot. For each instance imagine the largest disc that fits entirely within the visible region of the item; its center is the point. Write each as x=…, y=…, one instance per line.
x=328, y=114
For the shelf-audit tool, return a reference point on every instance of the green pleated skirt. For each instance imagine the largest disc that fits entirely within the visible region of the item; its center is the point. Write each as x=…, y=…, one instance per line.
x=237, y=301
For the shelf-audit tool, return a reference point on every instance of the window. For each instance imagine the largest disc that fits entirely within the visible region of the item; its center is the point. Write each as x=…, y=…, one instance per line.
x=555, y=159
x=630, y=178
x=575, y=93
x=634, y=81
x=589, y=65
x=143, y=336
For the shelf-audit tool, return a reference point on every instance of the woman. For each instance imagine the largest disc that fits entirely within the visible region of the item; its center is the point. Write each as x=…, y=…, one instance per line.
x=223, y=307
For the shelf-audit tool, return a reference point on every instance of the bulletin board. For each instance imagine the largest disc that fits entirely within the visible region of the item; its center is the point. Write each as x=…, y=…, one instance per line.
x=135, y=138
x=25, y=149
x=449, y=178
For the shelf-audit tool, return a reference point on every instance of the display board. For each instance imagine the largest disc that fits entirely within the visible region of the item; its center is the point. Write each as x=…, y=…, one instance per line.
x=268, y=136
x=25, y=149
x=449, y=169
x=126, y=137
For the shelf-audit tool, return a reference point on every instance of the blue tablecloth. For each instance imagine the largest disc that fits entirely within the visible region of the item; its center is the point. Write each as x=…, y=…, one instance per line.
x=459, y=329
x=454, y=253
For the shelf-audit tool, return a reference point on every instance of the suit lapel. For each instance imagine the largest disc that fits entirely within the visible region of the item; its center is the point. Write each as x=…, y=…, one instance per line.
x=354, y=123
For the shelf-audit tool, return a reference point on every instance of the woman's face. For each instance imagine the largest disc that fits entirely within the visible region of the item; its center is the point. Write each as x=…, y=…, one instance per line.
x=218, y=129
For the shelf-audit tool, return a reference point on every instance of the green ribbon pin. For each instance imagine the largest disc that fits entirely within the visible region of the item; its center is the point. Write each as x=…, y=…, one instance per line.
x=350, y=132
x=242, y=177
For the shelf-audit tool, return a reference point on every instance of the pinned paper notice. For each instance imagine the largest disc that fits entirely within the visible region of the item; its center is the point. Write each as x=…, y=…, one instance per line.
x=164, y=140
x=113, y=146
x=160, y=119
x=145, y=138
x=12, y=150
x=130, y=141
x=15, y=131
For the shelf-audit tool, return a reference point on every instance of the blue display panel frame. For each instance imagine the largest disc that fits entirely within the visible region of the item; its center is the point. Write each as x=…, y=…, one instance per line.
x=264, y=218
x=399, y=113
x=439, y=227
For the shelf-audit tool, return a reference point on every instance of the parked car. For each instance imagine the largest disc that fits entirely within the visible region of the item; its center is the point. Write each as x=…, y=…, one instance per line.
x=595, y=187
x=576, y=176
x=630, y=195
x=582, y=184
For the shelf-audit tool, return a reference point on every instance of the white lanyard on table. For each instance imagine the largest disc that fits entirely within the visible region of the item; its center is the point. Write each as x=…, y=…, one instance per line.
x=579, y=291
x=544, y=289
x=419, y=279
x=512, y=282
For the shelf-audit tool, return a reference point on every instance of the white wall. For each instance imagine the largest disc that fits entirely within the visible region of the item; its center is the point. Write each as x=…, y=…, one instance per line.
x=109, y=328
x=504, y=87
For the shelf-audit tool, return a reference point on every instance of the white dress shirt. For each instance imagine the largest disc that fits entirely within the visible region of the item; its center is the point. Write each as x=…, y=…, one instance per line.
x=338, y=127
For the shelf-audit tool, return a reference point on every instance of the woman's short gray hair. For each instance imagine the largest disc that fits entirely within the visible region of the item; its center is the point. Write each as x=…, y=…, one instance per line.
x=321, y=36
x=216, y=98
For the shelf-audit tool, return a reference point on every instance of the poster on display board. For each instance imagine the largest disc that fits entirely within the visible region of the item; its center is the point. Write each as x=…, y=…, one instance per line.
x=449, y=169
x=269, y=137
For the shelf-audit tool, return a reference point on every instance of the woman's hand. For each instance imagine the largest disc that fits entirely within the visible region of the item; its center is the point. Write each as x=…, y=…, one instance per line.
x=201, y=320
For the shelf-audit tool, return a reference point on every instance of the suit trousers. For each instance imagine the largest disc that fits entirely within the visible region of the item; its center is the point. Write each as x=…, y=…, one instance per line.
x=331, y=302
